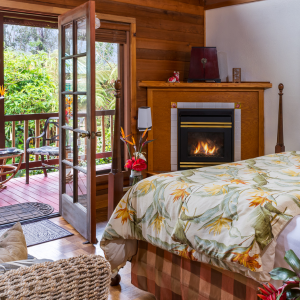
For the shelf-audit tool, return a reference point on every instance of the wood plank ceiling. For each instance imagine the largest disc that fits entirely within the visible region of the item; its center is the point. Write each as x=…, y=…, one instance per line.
x=211, y=4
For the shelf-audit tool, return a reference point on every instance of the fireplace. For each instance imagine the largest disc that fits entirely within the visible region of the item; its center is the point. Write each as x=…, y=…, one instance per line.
x=205, y=137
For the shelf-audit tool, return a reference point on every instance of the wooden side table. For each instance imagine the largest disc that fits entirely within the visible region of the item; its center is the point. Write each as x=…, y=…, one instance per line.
x=9, y=169
x=152, y=173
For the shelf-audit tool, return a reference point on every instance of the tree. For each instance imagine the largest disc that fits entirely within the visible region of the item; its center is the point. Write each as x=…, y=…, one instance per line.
x=30, y=39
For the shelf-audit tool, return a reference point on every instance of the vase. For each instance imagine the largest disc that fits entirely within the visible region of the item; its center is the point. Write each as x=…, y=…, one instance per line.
x=135, y=177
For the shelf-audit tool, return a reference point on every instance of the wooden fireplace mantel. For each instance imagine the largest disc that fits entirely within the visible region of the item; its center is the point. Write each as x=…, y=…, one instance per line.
x=210, y=85
x=247, y=96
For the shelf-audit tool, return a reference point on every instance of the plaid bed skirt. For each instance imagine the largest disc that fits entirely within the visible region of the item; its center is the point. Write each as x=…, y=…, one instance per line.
x=171, y=277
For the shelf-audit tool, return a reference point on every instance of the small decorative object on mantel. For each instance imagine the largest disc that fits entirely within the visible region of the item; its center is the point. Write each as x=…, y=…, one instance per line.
x=173, y=104
x=137, y=162
x=174, y=78
x=236, y=75
x=204, y=64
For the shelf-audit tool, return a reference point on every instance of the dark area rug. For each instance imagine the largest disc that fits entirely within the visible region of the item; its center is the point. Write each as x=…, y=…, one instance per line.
x=41, y=232
x=24, y=211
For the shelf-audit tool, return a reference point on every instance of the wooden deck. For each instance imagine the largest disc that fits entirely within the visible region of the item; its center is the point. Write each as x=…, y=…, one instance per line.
x=40, y=189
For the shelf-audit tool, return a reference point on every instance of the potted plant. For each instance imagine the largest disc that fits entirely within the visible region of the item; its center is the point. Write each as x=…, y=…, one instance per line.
x=137, y=162
x=291, y=281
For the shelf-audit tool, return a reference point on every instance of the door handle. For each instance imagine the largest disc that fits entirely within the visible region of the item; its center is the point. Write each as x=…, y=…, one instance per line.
x=85, y=135
x=95, y=134
x=88, y=135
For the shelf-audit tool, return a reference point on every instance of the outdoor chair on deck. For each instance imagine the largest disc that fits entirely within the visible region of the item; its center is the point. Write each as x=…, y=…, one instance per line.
x=44, y=150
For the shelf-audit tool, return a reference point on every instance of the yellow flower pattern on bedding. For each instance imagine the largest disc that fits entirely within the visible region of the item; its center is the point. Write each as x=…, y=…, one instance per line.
x=224, y=215
x=145, y=186
x=123, y=213
x=158, y=223
x=218, y=224
x=216, y=189
x=186, y=253
x=246, y=260
x=180, y=194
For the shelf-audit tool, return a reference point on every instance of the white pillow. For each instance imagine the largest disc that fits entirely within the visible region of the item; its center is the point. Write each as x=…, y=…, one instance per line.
x=13, y=244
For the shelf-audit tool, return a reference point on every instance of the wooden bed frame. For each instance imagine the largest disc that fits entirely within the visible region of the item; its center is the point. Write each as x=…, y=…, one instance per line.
x=139, y=262
x=280, y=143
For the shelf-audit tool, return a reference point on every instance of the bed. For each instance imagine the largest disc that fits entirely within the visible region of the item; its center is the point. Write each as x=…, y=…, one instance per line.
x=221, y=224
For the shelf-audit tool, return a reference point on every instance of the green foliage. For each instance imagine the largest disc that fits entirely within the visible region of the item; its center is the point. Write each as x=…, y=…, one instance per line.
x=106, y=75
x=31, y=87
x=105, y=88
x=107, y=160
x=290, y=289
x=285, y=274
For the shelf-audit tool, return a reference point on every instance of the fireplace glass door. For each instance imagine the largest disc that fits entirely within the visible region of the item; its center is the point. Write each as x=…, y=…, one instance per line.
x=205, y=144
x=205, y=137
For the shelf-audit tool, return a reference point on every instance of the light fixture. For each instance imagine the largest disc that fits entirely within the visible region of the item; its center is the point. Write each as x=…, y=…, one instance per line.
x=97, y=23
x=144, y=118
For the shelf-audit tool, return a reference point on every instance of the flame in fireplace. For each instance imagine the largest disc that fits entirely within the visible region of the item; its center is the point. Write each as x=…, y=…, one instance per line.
x=198, y=149
x=203, y=147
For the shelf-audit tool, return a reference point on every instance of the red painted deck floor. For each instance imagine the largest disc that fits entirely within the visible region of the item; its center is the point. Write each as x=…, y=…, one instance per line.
x=40, y=189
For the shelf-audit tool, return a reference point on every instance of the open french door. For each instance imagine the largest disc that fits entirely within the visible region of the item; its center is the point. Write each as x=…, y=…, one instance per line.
x=77, y=119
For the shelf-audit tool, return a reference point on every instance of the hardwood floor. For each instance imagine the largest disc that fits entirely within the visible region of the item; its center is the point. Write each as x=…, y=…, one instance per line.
x=45, y=190
x=73, y=246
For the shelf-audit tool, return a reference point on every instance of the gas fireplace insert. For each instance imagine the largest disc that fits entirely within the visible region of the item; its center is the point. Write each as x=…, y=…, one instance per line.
x=205, y=137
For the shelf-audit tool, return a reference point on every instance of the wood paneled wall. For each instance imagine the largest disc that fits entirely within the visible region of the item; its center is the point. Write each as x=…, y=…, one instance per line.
x=164, y=36
x=165, y=31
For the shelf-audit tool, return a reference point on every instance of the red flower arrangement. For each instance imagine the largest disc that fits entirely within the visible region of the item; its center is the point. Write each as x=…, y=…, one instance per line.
x=139, y=165
x=129, y=163
x=137, y=162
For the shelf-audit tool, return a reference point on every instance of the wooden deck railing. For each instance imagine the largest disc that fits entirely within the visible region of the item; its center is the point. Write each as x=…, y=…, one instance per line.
x=39, y=118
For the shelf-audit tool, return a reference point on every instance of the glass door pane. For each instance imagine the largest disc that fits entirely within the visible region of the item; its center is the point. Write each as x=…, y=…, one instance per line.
x=77, y=119
x=107, y=72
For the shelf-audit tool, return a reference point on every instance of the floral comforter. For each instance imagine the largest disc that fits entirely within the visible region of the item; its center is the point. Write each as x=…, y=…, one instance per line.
x=228, y=215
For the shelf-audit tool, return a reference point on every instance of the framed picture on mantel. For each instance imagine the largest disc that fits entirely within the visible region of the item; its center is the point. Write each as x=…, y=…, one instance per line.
x=236, y=75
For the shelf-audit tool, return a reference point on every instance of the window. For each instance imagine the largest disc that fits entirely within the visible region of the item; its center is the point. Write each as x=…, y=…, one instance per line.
x=30, y=69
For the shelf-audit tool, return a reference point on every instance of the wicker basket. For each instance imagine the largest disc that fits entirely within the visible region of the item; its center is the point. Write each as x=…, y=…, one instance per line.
x=82, y=277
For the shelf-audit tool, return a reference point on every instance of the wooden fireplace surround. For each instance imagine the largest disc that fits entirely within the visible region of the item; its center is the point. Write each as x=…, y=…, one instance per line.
x=248, y=95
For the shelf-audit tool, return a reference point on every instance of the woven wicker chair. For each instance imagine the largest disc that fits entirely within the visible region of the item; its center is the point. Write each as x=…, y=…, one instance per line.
x=82, y=277
x=44, y=150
